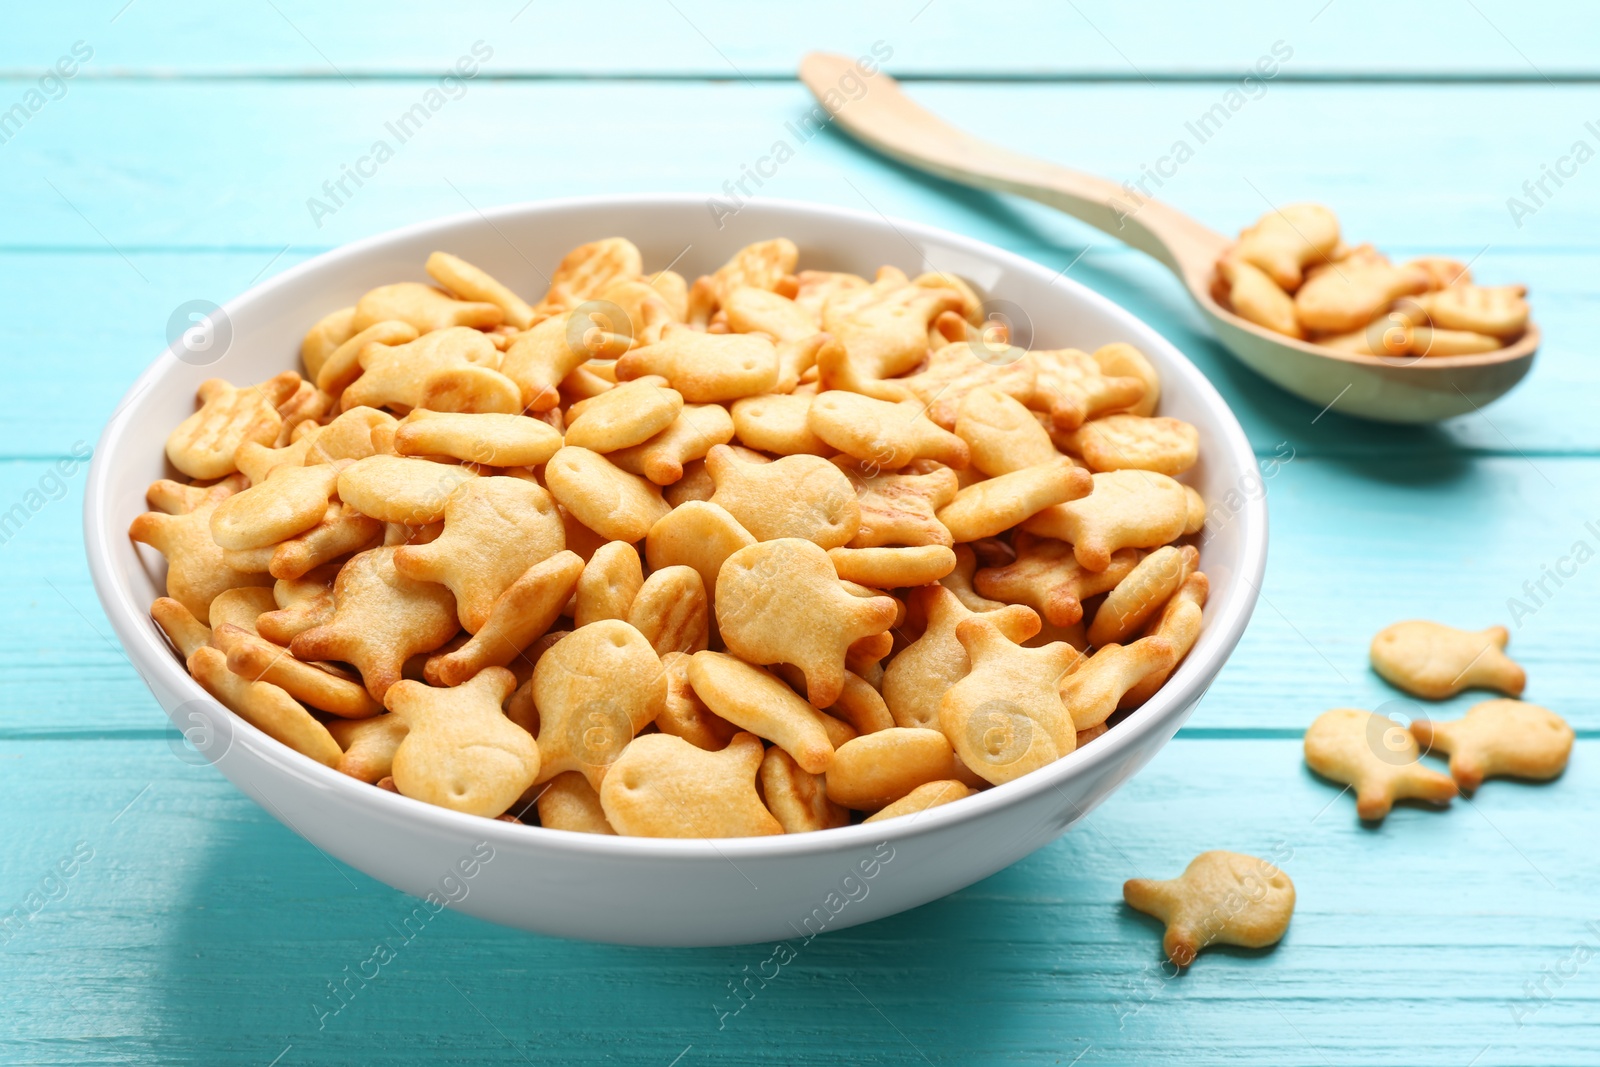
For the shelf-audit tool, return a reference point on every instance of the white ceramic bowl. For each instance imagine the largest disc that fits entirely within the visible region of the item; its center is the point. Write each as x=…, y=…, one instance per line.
x=638, y=890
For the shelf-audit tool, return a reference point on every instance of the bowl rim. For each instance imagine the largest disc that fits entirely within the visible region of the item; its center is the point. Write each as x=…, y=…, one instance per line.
x=147, y=651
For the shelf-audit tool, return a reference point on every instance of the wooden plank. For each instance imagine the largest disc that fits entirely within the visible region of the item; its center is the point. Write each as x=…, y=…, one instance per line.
x=122, y=329
x=74, y=165
x=722, y=38
x=1355, y=546
x=201, y=931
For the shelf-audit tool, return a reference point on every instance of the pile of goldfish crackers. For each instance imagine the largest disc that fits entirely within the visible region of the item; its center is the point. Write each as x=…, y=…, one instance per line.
x=768, y=553
x=1292, y=273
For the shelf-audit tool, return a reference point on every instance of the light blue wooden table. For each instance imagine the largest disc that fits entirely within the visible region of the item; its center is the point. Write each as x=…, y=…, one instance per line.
x=176, y=163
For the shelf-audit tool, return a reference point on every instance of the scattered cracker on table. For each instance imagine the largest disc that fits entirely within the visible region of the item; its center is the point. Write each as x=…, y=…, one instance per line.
x=1499, y=738
x=1221, y=898
x=773, y=551
x=1435, y=661
x=1375, y=756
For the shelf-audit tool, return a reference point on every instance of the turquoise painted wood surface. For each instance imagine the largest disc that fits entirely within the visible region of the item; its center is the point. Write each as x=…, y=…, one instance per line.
x=176, y=164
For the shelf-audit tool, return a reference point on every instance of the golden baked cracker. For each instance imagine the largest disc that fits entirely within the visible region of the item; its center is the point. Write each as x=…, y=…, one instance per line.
x=1050, y=579
x=1071, y=386
x=877, y=769
x=674, y=292
x=899, y=508
x=494, y=530
x=183, y=630
x=663, y=458
x=400, y=375
x=460, y=751
x=329, y=332
x=672, y=611
x=925, y=796
x=255, y=658
x=249, y=560
x=954, y=371
x=527, y=608
x=380, y=619
x=1132, y=442
x=1376, y=756
x=886, y=435
x=540, y=359
x=580, y=539
x=1347, y=295
x=588, y=270
x=342, y=530
x=1286, y=240
x=1195, y=520
x=1122, y=360
x=1092, y=692
x=1001, y=434
x=569, y=802
x=603, y=496
x=490, y=439
x=264, y=706
x=1496, y=310
x=884, y=327
x=647, y=309
x=202, y=445
x=610, y=581
x=755, y=700
x=302, y=603
x=758, y=266
x=686, y=715
x=796, y=496
x=706, y=368
x=595, y=689
x=836, y=372
x=696, y=534
x=814, y=288
x=369, y=745
x=1434, y=661
x=1179, y=623
x=627, y=415
x=343, y=365
x=1221, y=898
x=1499, y=738
x=423, y=307
x=893, y=568
x=1126, y=509
x=776, y=423
x=1430, y=341
x=753, y=310
x=971, y=308
x=959, y=581
x=1143, y=592
x=797, y=798
x=995, y=505
x=290, y=501
x=1255, y=297
x=662, y=786
x=916, y=680
x=859, y=704
x=397, y=489
x=781, y=602
x=467, y=282
x=1442, y=271
x=177, y=498
x=1006, y=717
x=349, y=436
x=304, y=408
x=196, y=572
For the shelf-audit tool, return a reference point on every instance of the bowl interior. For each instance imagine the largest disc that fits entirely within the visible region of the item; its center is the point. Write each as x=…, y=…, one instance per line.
x=521, y=245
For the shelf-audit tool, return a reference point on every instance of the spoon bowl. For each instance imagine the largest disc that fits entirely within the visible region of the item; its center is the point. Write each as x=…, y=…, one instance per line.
x=1406, y=389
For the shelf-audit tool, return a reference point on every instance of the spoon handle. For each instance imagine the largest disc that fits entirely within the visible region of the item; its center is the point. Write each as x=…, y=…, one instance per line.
x=887, y=120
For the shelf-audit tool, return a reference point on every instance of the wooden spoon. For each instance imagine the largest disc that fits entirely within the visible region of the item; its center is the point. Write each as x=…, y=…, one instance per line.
x=1390, y=389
